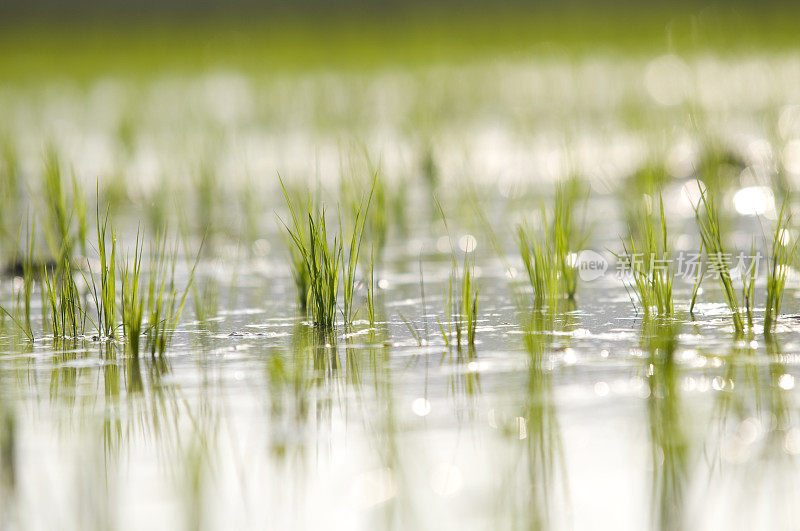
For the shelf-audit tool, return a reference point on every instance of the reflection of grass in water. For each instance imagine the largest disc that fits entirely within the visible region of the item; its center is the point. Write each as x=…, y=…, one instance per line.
x=753, y=420
x=669, y=443
x=536, y=434
x=8, y=456
x=464, y=382
x=112, y=423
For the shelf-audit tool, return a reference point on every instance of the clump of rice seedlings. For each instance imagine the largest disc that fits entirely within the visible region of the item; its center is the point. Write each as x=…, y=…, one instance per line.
x=132, y=304
x=566, y=234
x=469, y=298
x=67, y=316
x=302, y=283
x=709, y=226
x=349, y=266
x=164, y=302
x=321, y=261
x=549, y=260
x=651, y=277
x=648, y=180
x=749, y=290
x=537, y=257
x=352, y=188
x=781, y=253
x=105, y=299
x=324, y=257
x=461, y=294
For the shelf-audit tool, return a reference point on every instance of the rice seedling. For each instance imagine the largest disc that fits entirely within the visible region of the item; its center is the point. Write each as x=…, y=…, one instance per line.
x=749, y=288
x=67, y=315
x=205, y=298
x=568, y=234
x=469, y=299
x=132, y=303
x=28, y=278
x=105, y=299
x=164, y=302
x=710, y=232
x=549, y=260
x=698, y=279
x=350, y=265
x=647, y=181
x=652, y=276
x=352, y=189
x=418, y=337
x=539, y=265
x=323, y=259
x=302, y=283
x=207, y=194
x=781, y=254
x=414, y=332
x=17, y=323
x=371, y=289
x=461, y=293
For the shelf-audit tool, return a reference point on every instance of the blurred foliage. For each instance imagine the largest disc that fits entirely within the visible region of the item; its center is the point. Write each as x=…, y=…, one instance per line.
x=87, y=46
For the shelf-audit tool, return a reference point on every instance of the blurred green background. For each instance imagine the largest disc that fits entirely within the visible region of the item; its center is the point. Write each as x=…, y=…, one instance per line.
x=90, y=38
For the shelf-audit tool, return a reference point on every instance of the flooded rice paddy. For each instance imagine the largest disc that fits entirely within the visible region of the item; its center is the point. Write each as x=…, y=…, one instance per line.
x=576, y=414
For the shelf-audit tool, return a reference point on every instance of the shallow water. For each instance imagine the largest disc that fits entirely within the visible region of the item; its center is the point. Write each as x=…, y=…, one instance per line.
x=255, y=419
